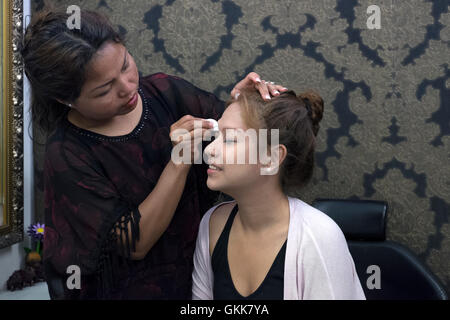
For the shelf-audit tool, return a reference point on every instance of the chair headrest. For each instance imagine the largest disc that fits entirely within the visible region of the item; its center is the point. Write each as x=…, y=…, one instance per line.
x=358, y=219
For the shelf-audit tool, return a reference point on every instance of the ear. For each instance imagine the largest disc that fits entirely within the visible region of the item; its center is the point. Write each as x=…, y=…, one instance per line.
x=65, y=103
x=277, y=155
x=282, y=153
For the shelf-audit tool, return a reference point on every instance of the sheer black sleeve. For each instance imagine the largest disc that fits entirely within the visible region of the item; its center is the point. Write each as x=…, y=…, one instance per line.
x=85, y=217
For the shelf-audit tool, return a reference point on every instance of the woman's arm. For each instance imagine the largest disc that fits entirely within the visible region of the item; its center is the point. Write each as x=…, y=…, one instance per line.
x=158, y=208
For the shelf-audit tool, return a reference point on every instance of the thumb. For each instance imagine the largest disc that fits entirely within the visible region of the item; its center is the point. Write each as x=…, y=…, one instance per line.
x=235, y=93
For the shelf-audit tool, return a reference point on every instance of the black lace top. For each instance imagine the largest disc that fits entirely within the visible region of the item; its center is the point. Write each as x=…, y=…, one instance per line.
x=272, y=286
x=93, y=186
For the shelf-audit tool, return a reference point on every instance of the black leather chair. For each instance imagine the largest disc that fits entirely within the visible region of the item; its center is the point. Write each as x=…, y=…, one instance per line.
x=402, y=275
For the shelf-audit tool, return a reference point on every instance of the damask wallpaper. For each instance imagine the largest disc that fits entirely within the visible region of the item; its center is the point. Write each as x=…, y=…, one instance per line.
x=386, y=128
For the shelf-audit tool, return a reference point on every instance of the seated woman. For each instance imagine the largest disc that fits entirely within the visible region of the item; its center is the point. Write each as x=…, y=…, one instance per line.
x=267, y=244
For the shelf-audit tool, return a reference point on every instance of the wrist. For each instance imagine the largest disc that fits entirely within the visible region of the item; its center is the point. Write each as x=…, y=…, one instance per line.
x=181, y=168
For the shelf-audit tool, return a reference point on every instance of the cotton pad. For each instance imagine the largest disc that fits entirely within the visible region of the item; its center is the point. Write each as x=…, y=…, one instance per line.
x=215, y=124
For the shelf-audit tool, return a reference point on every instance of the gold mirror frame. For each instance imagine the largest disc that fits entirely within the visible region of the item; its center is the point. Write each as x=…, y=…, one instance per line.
x=11, y=231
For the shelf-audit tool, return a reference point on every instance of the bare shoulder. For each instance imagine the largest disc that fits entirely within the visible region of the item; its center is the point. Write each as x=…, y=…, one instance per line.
x=217, y=222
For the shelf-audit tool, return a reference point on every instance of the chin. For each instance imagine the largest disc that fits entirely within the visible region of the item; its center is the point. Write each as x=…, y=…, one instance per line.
x=224, y=188
x=211, y=185
x=126, y=110
x=217, y=184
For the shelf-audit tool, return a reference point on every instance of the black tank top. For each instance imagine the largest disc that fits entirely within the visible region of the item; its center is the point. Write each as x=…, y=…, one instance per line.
x=270, y=289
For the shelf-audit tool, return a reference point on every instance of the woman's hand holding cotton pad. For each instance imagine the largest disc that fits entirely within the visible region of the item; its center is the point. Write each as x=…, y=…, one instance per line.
x=214, y=123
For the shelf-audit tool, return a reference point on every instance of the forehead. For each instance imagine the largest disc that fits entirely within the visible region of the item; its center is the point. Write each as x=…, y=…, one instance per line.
x=232, y=117
x=103, y=64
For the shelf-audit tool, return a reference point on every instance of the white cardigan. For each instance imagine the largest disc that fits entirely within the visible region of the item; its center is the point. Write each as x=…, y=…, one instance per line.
x=318, y=264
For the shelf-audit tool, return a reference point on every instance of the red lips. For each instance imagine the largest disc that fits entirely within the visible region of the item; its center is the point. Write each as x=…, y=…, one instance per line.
x=132, y=102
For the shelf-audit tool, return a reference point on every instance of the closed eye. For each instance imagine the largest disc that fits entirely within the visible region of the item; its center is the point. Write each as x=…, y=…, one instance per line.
x=103, y=94
x=106, y=92
x=125, y=67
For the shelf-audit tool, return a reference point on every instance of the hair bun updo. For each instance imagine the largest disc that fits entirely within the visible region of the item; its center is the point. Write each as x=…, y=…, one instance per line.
x=296, y=119
x=314, y=103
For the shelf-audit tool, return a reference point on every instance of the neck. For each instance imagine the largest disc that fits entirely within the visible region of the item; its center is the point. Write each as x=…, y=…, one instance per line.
x=79, y=120
x=262, y=208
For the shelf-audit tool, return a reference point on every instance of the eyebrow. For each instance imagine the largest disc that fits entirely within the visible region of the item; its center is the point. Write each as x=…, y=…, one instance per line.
x=124, y=62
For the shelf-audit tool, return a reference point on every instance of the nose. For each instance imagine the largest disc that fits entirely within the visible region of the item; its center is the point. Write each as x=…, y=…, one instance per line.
x=127, y=86
x=210, y=151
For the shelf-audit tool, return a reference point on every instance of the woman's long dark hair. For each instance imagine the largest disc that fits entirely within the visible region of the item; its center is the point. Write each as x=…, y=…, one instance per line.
x=55, y=59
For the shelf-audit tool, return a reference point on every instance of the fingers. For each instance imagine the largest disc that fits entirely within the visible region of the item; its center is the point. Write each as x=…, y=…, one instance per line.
x=267, y=89
x=254, y=77
x=189, y=122
x=184, y=120
x=250, y=81
x=281, y=88
x=197, y=123
x=264, y=90
x=190, y=142
x=188, y=128
x=235, y=93
x=272, y=88
x=192, y=136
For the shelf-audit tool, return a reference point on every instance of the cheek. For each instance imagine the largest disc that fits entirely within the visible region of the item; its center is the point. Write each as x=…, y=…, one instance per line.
x=106, y=106
x=243, y=153
x=235, y=153
x=94, y=108
x=236, y=177
x=133, y=67
x=242, y=167
x=229, y=153
x=237, y=171
x=244, y=172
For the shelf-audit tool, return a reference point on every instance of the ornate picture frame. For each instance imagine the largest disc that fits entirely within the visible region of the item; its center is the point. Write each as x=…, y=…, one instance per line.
x=11, y=125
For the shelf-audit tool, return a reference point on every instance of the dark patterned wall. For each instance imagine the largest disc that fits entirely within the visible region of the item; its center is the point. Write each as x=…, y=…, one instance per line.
x=385, y=134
